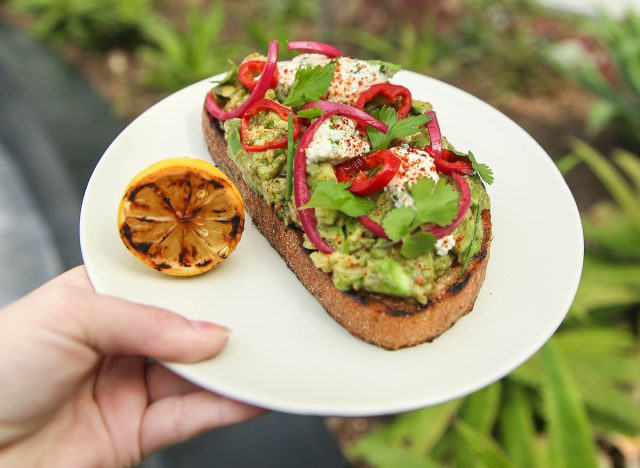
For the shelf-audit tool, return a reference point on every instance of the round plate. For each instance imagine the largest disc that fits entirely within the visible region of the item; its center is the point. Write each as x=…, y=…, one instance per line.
x=286, y=353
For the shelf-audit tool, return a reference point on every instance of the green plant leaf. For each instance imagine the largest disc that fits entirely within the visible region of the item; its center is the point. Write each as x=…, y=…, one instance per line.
x=483, y=446
x=435, y=202
x=388, y=456
x=517, y=430
x=409, y=438
x=567, y=163
x=483, y=170
x=568, y=427
x=630, y=164
x=336, y=196
x=479, y=411
x=607, y=229
x=417, y=244
x=398, y=223
x=600, y=115
x=397, y=128
x=613, y=181
x=310, y=84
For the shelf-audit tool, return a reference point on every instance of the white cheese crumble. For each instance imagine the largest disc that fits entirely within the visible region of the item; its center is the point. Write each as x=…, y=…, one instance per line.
x=414, y=164
x=351, y=77
x=445, y=244
x=336, y=140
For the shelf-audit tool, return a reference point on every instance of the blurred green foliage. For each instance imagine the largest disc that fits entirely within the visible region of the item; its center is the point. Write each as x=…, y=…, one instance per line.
x=96, y=25
x=577, y=388
x=550, y=410
x=177, y=56
x=611, y=74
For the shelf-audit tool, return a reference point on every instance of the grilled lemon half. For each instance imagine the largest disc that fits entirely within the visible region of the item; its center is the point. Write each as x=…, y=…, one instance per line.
x=181, y=216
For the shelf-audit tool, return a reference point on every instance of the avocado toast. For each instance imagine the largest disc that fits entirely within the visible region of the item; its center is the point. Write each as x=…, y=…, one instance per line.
x=349, y=179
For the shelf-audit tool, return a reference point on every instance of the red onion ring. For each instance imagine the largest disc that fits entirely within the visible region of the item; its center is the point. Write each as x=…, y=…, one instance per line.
x=258, y=92
x=350, y=112
x=465, y=202
x=435, y=137
x=316, y=47
x=301, y=192
x=372, y=226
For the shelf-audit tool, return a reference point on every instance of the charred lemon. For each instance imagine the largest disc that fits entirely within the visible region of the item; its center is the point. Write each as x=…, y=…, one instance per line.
x=181, y=216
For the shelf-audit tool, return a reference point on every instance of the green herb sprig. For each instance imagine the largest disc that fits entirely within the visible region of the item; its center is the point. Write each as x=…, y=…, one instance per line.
x=310, y=84
x=336, y=196
x=433, y=203
x=397, y=128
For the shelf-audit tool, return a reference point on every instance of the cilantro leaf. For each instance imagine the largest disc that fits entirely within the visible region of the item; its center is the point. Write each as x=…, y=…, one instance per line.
x=336, y=196
x=399, y=222
x=435, y=202
x=484, y=171
x=231, y=75
x=397, y=128
x=386, y=68
x=312, y=113
x=310, y=84
x=418, y=244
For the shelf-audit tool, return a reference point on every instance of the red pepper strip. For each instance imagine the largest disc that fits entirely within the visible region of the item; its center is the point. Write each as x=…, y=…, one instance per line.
x=372, y=226
x=317, y=47
x=257, y=93
x=465, y=202
x=301, y=192
x=390, y=92
x=450, y=162
x=249, y=72
x=267, y=105
x=361, y=184
x=350, y=112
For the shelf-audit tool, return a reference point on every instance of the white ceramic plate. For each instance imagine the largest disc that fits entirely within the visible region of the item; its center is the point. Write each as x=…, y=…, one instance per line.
x=286, y=353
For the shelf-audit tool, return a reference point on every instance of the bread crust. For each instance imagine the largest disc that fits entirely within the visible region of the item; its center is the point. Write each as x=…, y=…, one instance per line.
x=382, y=320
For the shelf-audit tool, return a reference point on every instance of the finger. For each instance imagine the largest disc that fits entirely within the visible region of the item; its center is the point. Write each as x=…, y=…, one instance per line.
x=76, y=277
x=163, y=383
x=177, y=418
x=115, y=326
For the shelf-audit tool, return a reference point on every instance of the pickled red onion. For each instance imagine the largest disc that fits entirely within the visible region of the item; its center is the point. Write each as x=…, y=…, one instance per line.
x=301, y=192
x=258, y=92
x=350, y=112
x=316, y=47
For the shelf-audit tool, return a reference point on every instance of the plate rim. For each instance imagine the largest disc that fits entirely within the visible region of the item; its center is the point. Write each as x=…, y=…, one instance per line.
x=321, y=409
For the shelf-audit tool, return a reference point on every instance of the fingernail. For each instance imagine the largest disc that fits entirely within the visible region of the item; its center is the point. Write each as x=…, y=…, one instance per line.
x=210, y=328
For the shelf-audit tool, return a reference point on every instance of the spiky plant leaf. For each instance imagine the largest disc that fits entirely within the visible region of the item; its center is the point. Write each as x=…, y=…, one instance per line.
x=483, y=446
x=568, y=427
x=479, y=411
x=382, y=455
x=617, y=185
x=517, y=431
x=630, y=164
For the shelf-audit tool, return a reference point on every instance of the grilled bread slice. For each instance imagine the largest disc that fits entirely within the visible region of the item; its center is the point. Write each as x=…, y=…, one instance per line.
x=382, y=320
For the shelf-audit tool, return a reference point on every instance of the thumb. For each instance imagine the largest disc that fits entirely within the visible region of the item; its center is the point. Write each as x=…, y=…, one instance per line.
x=115, y=326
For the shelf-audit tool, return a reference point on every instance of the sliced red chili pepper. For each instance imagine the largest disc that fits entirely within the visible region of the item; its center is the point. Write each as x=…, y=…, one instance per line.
x=361, y=183
x=449, y=162
x=266, y=105
x=250, y=70
x=391, y=93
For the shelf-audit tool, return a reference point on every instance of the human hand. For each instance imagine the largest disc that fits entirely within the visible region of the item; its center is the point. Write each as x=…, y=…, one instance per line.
x=75, y=389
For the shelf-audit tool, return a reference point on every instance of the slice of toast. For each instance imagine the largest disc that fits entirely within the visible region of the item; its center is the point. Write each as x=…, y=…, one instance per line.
x=383, y=320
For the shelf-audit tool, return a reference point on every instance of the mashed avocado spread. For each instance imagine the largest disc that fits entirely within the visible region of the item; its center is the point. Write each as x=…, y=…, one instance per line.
x=360, y=261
